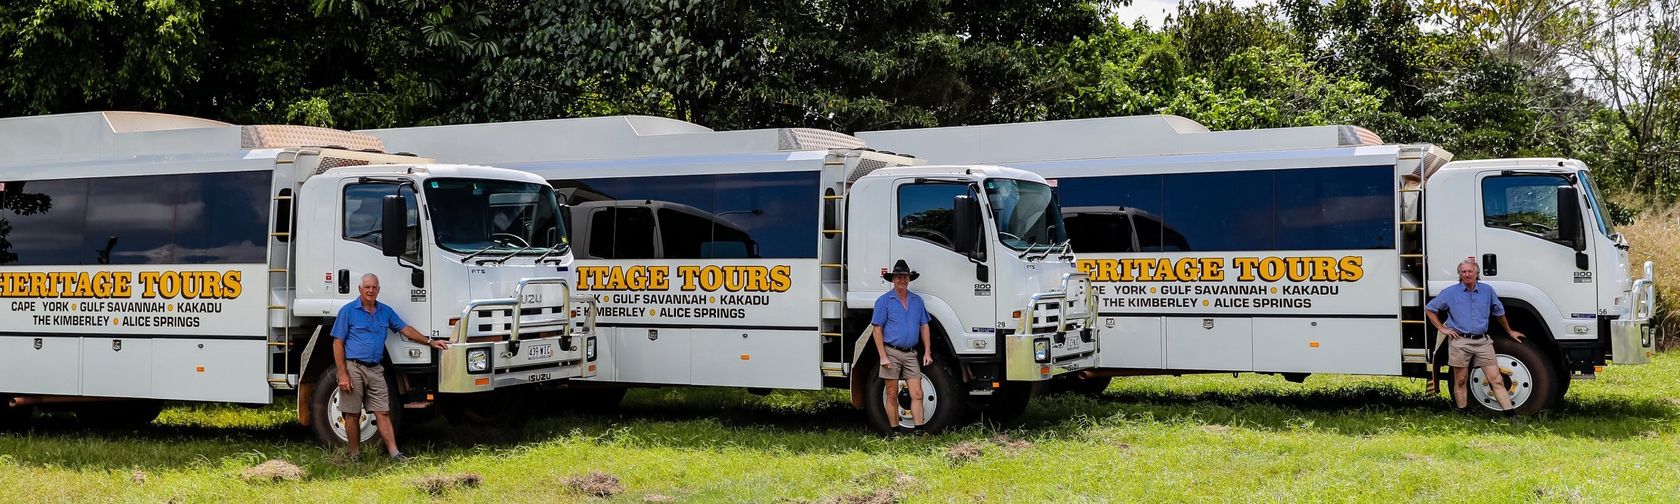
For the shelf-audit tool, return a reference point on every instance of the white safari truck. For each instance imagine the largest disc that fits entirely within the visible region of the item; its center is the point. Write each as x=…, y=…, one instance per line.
x=753, y=258
x=1312, y=250
x=150, y=257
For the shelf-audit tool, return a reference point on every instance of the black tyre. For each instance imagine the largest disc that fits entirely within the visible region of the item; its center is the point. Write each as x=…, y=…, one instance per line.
x=1530, y=377
x=497, y=408
x=119, y=414
x=328, y=422
x=942, y=400
x=1006, y=405
x=14, y=418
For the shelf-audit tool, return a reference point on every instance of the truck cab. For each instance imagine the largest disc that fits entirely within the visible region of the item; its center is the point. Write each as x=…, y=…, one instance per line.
x=1539, y=230
x=1006, y=293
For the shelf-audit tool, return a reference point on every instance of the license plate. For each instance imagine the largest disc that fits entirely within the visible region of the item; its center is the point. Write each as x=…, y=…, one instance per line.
x=539, y=351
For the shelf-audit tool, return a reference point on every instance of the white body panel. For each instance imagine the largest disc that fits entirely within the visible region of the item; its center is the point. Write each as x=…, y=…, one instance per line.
x=1355, y=330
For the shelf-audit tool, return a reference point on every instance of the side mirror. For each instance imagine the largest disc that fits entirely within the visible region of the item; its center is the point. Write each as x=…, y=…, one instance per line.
x=393, y=233
x=1569, y=217
x=965, y=223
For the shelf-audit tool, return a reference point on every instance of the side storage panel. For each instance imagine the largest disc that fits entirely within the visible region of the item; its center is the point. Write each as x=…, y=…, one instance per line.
x=113, y=366
x=1352, y=346
x=1130, y=342
x=45, y=365
x=1210, y=343
x=211, y=370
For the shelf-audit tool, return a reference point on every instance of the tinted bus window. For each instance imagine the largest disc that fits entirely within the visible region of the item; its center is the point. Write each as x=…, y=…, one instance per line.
x=1301, y=209
x=41, y=222
x=1099, y=231
x=199, y=218
x=1220, y=211
x=130, y=220
x=772, y=215
x=1139, y=192
x=221, y=216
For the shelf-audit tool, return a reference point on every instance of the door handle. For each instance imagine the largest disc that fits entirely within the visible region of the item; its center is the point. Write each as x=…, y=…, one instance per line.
x=343, y=281
x=1490, y=264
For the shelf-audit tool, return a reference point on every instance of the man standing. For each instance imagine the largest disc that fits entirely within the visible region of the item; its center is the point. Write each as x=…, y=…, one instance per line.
x=901, y=322
x=358, y=347
x=1469, y=305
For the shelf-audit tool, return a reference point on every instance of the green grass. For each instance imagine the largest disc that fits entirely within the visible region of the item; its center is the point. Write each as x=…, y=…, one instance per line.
x=1209, y=437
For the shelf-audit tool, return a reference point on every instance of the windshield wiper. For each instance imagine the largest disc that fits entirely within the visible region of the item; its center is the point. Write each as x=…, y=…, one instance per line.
x=480, y=251
x=505, y=258
x=551, y=250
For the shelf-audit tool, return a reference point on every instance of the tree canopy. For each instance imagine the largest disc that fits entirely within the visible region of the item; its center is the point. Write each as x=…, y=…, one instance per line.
x=1591, y=79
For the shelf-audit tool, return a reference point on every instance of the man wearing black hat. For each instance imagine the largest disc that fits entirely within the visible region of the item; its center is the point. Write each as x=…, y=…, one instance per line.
x=901, y=323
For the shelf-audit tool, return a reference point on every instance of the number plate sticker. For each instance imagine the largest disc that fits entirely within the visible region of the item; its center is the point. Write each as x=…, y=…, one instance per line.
x=539, y=351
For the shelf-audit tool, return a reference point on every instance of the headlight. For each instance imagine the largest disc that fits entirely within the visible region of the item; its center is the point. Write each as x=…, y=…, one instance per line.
x=1041, y=350
x=589, y=349
x=478, y=360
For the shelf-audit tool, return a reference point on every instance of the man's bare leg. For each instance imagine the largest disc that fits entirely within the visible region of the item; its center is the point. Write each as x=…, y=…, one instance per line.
x=1461, y=386
x=353, y=433
x=1496, y=380
x=916, y=400
x=889, y=396
x=386, y=431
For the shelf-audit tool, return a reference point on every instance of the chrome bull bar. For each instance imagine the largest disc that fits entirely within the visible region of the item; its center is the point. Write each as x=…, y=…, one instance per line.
x=1054, y=334
x=1631, y=338
x=478, y=366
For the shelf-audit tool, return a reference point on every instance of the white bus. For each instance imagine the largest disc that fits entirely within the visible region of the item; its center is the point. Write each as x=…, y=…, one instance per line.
x=1311, y=250
x=753, y=258
x=150, y=257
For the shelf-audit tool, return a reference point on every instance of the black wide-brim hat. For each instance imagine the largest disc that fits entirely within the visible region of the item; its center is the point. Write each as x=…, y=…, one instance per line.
x=900, y=268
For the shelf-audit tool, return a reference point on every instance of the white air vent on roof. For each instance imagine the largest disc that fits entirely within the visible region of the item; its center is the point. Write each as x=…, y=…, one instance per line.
x=271, y=136
x=814, y=139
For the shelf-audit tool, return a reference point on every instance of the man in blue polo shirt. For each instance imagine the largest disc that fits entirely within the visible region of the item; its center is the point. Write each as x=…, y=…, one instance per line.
x=358, y=347
x=1469, y=304
x=901, y=323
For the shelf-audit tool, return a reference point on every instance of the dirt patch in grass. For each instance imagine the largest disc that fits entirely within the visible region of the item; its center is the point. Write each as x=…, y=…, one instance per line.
x=658, y=498
x=273, y=471
x=882, y=496
x=1011, y=445
x=438, y=484
x=965, y=452
x=597, y=484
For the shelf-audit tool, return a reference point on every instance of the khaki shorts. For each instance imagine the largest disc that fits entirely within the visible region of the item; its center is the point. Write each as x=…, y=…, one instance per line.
x=901, y=365
x=1471, y=353
x=367, y=389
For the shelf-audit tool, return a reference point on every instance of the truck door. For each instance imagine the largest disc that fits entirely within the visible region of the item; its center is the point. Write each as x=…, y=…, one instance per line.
x=1517, y=243
x=357, y=251
x=924, y=238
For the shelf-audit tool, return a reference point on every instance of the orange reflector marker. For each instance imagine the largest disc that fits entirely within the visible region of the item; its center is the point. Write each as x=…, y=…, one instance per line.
x=200, y=369
x=1044, y=370
x=591, y=368
x=746, y=357
x=481, y=382
x=453, y=321
x=1598, y=369
x=997, y=385
x=1313, y=344
x=1017, y=314
x=428, y=397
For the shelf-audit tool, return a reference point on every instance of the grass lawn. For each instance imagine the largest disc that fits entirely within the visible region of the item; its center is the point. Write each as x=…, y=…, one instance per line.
x=1210, y=437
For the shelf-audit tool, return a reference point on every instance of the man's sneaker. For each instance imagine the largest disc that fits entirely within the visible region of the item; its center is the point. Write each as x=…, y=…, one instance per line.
x=1515, y=421
x=399, y=457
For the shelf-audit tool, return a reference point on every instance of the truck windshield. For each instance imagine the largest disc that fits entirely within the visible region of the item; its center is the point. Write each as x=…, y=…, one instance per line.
x=1027, y=213
x=474, y=215
x=1593, y=200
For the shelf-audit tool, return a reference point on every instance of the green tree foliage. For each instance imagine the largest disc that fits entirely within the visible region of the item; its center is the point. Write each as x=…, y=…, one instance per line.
x=1592, y=79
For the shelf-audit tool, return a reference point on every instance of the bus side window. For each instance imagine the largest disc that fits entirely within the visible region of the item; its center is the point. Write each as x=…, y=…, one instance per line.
x=1100, y=232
